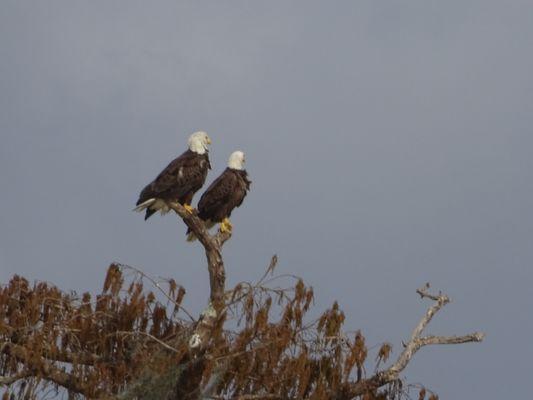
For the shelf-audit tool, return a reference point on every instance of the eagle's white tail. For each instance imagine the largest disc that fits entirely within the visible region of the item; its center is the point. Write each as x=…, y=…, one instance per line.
x=144, y=205
x=154, y=205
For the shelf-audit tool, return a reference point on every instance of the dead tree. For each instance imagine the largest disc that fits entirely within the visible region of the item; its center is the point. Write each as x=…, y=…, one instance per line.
x=126, y=344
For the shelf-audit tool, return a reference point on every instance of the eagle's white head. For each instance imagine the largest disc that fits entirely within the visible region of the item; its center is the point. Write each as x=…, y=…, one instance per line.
x=236, y=160
x=198, y=142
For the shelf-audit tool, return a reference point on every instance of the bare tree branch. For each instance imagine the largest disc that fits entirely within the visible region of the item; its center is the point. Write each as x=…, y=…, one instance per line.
x=423, y=292
x=430, y=340
x=414, y=344
x=213, y=247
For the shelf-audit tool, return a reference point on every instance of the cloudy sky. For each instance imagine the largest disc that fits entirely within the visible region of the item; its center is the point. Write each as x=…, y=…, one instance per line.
x=389, y=143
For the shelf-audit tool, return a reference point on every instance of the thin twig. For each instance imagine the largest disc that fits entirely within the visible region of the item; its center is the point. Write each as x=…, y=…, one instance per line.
x=158, y=286
x=151, y=337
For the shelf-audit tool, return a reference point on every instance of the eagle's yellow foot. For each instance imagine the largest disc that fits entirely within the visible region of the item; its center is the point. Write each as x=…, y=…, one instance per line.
x=226, y=226
x=189, y=208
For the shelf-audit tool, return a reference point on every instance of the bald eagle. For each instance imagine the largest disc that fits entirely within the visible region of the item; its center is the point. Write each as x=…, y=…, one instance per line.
x=224, y=194
x=180, y=180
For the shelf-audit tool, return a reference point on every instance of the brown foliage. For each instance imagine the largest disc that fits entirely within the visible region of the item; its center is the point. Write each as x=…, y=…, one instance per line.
x=105, y=341
x=99, y=347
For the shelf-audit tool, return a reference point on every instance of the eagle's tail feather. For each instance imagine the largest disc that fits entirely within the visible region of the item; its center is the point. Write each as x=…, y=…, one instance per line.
x=149, y=213
x=144, y=205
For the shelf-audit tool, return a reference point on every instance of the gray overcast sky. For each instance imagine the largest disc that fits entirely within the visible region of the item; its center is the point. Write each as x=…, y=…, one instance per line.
x=389, y=143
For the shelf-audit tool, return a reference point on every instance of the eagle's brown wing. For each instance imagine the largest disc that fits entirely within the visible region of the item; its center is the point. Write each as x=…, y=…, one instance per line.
x=182, y=175
x=222, y=196
x=243, y=185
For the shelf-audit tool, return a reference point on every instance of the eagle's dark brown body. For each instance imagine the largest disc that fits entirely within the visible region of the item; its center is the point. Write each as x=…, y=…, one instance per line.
x=179, y=181
x=223, y=195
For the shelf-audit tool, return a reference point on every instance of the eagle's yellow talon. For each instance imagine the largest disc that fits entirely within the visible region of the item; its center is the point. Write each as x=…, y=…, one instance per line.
x=226, y=226
x=189, y=208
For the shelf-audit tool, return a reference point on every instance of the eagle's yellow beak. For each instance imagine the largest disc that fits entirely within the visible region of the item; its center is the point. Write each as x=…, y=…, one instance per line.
x=208, y=140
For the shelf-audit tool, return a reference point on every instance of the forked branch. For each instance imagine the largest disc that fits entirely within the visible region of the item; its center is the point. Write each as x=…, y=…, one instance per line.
x=217, y=275
x=415, y=343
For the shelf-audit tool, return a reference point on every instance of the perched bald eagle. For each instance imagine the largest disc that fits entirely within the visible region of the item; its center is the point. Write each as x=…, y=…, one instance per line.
x=224, y=194
x=180, y=180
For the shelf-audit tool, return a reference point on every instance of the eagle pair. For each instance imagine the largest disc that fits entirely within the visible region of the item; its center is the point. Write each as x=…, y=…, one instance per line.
x=185, y=175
